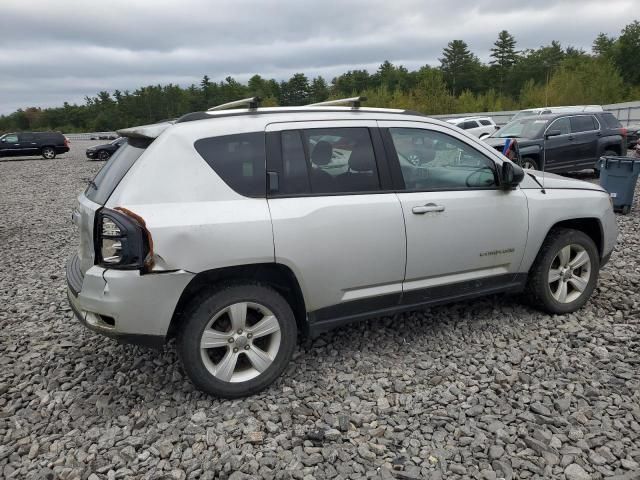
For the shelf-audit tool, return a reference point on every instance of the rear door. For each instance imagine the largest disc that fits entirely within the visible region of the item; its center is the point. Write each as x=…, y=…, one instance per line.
x=336, y=222
x=585, y=131
x=464, y=234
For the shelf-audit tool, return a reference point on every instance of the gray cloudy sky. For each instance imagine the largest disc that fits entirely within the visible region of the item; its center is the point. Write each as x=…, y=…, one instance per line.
x=52, y=51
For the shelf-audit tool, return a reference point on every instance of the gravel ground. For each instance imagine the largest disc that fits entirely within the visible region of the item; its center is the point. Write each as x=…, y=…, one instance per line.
x=484, y=389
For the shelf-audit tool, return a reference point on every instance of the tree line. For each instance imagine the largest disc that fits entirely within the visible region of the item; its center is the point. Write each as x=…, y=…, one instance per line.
x=512, y=79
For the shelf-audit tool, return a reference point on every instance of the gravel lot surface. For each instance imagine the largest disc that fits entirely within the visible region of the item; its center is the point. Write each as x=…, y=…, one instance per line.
x=484, y=389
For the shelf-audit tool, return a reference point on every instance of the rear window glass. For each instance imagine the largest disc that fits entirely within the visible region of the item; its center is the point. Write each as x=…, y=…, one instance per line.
x=485, y=122
x=114, y=171
x=583, y=123
x=611, y=121
x=238, y=159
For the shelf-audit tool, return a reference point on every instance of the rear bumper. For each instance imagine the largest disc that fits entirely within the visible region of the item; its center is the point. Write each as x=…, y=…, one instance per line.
x=125, y=305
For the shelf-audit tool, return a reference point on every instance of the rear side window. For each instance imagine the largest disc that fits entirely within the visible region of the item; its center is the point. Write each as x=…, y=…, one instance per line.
x=485, y=122
x=27, y=137
x=610, y=120
x=328, y=161
x=114, y=170
x=583, y=123
x=238, y=159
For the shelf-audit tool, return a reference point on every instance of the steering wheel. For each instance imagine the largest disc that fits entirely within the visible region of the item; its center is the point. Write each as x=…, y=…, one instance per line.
x=475, y=172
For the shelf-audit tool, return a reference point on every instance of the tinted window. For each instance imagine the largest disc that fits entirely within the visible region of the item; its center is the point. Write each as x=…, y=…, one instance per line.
x=334, y=160
x=485, y=122
x=431, y=160
x=114, y=171
x=238, y=159
x=469, y=124
x=27, y=137
x=583, y=123
x=563, y=125
x=610, y=120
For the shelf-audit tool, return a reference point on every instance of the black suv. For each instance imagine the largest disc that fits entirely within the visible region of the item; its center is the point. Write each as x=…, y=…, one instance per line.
x=47, y=144
x=563, y=142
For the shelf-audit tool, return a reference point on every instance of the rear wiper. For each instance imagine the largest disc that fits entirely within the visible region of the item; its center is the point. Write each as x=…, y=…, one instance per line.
x=91, y=183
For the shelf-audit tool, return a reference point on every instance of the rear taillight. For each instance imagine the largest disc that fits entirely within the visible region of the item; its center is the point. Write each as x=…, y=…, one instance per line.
x=122, y=240
x=623, y=132
x=66, y=142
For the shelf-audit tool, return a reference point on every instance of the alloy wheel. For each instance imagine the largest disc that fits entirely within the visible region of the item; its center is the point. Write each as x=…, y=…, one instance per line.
x=240, y=342
x=48, y=153
x=569, y=273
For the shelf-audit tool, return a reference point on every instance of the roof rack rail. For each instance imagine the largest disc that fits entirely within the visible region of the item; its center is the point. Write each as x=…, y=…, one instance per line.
x=252, y=103
x=354, y=101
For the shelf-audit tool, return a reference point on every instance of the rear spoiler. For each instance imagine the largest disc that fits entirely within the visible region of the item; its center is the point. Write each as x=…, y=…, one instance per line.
x=147, y=132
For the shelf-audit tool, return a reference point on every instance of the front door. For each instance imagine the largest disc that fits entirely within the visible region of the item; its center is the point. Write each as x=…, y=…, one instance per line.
x=336, y=224
x=585, y=130
x=559, y=151
x=464, y=235
x=9, y=145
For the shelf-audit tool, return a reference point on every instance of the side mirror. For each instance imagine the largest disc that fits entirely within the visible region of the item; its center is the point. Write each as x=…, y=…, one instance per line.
x=511, y=175
x=3, y=140
x=496, y=127
x=552, y=133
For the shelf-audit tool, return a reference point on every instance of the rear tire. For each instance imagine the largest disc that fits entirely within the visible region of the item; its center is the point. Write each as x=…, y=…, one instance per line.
x=529, y=163
x=49, y=153
x=225, y=349
x=103, y=155
x=564, y=273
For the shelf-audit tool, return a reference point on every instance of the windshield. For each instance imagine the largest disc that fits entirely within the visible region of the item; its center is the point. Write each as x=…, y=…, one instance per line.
x=118, y=141
x=110, y=175
x=522, y=128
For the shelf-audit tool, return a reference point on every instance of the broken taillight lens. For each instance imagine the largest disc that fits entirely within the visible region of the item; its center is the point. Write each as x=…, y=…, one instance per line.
x=121, y=241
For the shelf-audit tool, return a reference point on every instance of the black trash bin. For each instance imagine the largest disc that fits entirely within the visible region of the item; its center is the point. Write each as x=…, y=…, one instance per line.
x=618, y=176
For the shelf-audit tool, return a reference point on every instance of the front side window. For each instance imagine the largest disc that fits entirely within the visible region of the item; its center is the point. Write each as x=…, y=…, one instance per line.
x=563, y=125
x=238, y=159
x=432, y=160
x=469, y=124
x=583, y=123
x=10, y=138
x=328, y=161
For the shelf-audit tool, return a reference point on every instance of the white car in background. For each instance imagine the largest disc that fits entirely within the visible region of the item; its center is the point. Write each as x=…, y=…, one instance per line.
x=481, y=127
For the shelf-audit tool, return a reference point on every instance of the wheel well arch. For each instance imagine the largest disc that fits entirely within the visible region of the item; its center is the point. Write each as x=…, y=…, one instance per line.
x=275, y=275
x=589, y=226
x=614, y=147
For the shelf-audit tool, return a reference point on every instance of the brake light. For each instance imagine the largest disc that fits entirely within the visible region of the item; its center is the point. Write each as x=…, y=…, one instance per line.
x=623, y=132
x=66, y=142
x=122, y=240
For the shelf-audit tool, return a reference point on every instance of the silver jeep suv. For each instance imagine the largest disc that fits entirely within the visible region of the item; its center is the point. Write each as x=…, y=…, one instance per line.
x=233, y=230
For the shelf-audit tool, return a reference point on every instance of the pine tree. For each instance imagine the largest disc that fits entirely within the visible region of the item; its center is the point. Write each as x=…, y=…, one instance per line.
x=319, y=90
x=504, y=55
x=459, y=66
x=603, y=45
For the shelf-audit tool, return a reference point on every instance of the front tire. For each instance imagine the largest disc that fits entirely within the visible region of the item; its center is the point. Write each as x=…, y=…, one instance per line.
x=564, y=273
x=237, y=341
x=49, y=153
x=529, y=163
x=103, y=155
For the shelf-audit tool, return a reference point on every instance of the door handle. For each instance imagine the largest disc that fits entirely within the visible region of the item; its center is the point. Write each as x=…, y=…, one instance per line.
x=429, y=207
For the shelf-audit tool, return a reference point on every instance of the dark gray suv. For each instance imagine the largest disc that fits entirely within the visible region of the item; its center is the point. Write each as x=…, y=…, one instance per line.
x=563, y=142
